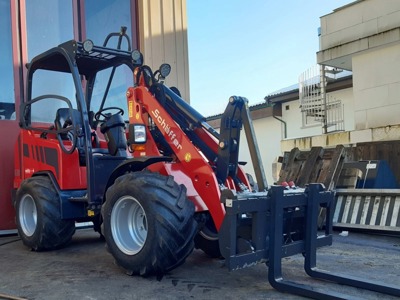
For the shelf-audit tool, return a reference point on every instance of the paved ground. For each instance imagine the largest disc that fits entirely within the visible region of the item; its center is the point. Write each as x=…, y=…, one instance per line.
x=84, y=270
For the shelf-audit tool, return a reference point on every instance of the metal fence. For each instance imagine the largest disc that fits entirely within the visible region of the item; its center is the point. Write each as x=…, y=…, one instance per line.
x=317, y=106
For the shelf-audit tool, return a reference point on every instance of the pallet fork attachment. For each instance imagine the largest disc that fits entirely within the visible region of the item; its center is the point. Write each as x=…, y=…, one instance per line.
x=271, y=215
x=310, y=262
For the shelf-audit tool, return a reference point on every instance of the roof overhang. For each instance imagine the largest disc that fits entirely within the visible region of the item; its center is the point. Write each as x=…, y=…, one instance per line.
x=333, y=85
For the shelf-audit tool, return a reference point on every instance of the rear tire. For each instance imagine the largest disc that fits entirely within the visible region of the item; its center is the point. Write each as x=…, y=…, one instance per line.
x=148, y=223
x=207, y=239
x=38, y=216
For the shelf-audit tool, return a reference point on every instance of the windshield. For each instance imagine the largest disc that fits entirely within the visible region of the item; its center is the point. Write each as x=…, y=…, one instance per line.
x=116, y=94
x=49, y=83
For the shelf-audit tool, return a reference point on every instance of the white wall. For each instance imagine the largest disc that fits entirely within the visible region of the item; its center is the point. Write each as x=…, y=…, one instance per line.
x=291, y=114
x=347, y=97
x=376, y=84
x=268, y=134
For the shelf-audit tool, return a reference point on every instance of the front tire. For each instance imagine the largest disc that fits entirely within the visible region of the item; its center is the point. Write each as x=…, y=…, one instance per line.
x=148, y=223
x=38, y=216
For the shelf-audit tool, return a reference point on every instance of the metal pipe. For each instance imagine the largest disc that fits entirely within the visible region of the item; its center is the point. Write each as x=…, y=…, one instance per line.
x=284, y=126
x=323, y=94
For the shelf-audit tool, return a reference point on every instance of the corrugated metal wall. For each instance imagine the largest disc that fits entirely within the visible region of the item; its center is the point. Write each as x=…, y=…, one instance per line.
x=163, y=38
x=377, y=209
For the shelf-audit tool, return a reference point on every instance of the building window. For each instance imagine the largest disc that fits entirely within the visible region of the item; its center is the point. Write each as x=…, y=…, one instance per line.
x=49, y=23
x=42, y=37
x=7, y=96
x=104, y=16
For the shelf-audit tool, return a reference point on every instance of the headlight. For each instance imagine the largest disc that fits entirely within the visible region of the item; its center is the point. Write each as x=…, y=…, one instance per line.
x=137, y=134
x=165, y=69
x=88, y=45
x=136, y=55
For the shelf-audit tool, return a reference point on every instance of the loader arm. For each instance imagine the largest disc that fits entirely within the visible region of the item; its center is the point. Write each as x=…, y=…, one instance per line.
x=189, y=167
x=221, y=149
x=236, y=116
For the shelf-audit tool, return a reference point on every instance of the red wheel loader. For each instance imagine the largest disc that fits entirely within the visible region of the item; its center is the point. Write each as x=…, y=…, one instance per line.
x=154, y=178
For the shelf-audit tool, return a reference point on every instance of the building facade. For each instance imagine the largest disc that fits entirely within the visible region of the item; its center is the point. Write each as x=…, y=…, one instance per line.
x=363, y=39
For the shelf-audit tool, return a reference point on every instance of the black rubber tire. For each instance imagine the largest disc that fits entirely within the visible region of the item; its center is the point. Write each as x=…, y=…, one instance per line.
x=49, y=231
x=207, y=239
x=169, y=222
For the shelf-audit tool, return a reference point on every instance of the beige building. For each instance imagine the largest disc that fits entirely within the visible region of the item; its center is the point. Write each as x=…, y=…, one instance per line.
x=163, y=39
x=363, y=39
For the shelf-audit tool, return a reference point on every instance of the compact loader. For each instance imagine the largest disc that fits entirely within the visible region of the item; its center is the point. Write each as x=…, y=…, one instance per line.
x=154, y=178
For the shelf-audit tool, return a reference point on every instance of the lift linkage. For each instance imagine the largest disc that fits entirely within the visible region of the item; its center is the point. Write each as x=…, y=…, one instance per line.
x=281, y=223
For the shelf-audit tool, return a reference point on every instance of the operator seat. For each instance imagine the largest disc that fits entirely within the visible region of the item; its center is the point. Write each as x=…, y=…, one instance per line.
x=63, y=120
x=113, y=129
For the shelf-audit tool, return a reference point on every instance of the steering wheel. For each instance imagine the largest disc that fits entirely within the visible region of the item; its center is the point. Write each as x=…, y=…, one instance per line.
x=69, y=129
x=101, y=113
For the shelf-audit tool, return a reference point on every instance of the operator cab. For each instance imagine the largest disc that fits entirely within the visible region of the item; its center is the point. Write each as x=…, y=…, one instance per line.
x=94, y=123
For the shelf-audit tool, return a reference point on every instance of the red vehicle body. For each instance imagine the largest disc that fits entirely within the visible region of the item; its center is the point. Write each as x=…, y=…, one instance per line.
x=39, y=155
x=70, y=166
x=190, y=166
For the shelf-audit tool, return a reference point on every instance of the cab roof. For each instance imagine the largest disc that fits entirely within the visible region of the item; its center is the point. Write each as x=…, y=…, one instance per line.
x=65, y=56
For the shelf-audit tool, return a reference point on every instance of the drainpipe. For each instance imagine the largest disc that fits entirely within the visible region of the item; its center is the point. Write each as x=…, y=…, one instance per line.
x=280, y=120
x=323, y=94
x=284, y=126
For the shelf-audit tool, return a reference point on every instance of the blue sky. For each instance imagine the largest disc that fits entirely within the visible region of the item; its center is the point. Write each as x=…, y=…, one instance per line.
x=250, y=48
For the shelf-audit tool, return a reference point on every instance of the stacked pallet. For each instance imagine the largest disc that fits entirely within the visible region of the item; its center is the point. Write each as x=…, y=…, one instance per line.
x=372, y=209
x=317, y=165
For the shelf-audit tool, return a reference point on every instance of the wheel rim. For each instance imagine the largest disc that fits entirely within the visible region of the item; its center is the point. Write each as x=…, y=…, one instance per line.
x=209, y=232
x=129, y=225
x=28, y=215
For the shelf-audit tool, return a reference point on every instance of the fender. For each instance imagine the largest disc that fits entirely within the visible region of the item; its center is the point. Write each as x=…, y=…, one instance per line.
x=69, y=209
x=48, y=174
x=134, y=165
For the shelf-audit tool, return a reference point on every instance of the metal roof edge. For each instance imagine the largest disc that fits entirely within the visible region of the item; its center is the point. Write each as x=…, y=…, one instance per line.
x=293, y=94
x=253, y=107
